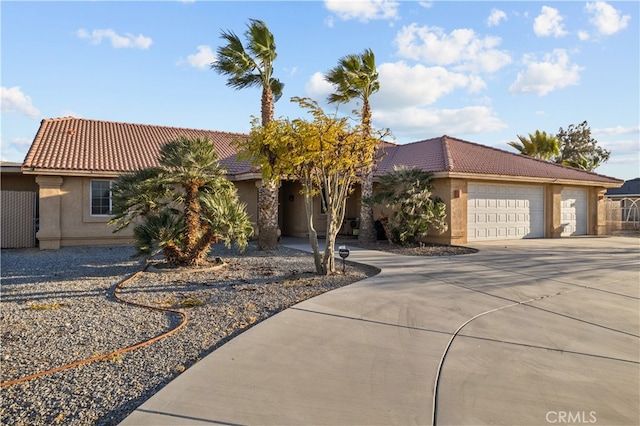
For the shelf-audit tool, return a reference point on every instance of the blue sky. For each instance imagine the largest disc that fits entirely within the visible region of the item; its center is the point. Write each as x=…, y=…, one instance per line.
x=481, y=71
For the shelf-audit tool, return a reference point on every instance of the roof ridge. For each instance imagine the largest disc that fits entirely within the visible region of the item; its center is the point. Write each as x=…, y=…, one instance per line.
x=528, y=157
x=448, y=159
x=69, y=118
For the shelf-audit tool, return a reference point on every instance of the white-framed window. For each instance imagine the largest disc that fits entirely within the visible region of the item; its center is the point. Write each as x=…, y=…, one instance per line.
x=100, y=198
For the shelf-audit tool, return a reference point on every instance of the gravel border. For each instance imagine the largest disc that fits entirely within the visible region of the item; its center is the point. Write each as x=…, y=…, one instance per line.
x=57, y=307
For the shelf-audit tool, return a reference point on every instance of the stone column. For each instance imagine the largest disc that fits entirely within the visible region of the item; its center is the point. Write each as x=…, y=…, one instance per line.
x=50, y=199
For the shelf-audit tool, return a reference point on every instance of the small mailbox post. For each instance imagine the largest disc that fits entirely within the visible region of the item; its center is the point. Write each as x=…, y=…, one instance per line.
x=343, y=251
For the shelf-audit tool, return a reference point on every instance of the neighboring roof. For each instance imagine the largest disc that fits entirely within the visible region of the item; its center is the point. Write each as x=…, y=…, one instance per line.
x=631, y=188
x=450, y=156
x=10, y=168
x=77, y=145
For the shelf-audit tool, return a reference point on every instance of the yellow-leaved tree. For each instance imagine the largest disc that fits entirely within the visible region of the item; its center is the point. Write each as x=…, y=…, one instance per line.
x=325, y=154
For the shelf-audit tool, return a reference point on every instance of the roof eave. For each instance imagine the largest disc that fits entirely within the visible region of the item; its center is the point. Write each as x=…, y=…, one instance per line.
x=112, y=174
x=528, y=179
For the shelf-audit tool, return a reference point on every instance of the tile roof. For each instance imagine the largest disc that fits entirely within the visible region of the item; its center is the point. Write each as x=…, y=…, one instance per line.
x=81, y=145
x=455, y=156
x=77, y=145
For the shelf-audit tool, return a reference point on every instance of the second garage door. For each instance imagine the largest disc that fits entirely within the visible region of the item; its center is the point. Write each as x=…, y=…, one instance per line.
x=574, y=211
x=500, y=212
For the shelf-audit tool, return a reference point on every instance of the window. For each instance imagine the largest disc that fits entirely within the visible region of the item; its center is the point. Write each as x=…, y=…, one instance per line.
x=100, y=197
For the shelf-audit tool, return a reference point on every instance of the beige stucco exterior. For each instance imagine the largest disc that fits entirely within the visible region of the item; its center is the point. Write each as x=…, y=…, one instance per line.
x=453, y=191
x=65, y=219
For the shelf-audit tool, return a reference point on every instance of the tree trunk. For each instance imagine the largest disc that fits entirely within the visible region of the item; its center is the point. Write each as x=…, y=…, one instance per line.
x=192, y=219
x=268, y=216
x=335, y=215
x=313, y=234
x=367, y=230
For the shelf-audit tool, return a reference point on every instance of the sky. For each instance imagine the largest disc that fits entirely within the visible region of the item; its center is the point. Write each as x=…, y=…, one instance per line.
x=482, y=71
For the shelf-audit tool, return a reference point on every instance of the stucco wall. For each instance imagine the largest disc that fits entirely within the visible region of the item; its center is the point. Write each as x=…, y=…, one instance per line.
x=453, y=192
x=248, y=194
x=66, y=220
x=18, y=182
x=293, y=216
x=77, y=226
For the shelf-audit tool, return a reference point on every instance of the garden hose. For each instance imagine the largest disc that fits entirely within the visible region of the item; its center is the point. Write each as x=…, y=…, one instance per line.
x=117, y=288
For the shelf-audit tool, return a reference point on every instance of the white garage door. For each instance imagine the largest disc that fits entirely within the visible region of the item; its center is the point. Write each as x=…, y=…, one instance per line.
x=501, y=212
x=574, y=211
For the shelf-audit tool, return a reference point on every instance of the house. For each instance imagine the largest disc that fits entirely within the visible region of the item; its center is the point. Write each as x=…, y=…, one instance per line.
x=626, y=203
x=490, y=193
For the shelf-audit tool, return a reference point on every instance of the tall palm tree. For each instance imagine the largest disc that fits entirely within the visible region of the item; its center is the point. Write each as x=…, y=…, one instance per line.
x=252, y=66
x=356, y=77
x=538, y=145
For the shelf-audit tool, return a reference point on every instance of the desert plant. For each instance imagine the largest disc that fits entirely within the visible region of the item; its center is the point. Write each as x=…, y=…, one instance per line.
x=406, y=194
x=185, y=205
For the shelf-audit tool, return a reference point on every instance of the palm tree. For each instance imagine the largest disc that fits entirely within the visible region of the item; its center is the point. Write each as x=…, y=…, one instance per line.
x=538, y=145
x=253, y=67
x=356, y=77
x=186, y=204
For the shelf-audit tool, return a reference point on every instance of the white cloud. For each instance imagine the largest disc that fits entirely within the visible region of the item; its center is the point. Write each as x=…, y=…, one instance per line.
x=415, y=122
x=117, y=41
x=363, y=10
x=401, y=84
x=15, y=101
x=495, y=17
x=15, y=150
x=618, y=130
x=622, y=150
x=203, y=59
x=317, y=87
x=426, y=4
x=70, y=113
x=462, y=48
x=329, y=21
x=542, y=77
x=606, y=18
x=548, y=23
x=291, y=71
x=583, y=35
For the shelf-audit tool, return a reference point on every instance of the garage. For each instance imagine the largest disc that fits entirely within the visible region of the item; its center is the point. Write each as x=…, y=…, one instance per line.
x=573, y=211
x=501, y=212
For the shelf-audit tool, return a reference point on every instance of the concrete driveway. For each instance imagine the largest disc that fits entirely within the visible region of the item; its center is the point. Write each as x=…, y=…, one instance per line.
x=523, y=332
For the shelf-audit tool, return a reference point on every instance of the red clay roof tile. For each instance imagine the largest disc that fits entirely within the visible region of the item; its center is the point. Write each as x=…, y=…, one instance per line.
x=77, y=144
x=447, y=154
x=82, y=145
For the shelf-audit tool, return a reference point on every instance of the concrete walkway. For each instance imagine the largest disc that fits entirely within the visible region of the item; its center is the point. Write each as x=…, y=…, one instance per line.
x=524, y=332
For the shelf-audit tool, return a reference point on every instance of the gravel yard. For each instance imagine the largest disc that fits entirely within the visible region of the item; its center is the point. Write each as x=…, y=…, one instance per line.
x=58, y=307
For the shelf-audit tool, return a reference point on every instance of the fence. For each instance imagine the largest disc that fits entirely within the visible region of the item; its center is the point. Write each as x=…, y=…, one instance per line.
x=18, y=219
x=623, y=214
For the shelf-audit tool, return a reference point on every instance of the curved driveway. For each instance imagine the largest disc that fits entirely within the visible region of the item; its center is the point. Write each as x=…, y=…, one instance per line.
x=523, y=332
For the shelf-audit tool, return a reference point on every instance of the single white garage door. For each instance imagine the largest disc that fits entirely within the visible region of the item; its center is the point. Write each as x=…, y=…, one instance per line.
x=574, y=211
x=501, y=212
